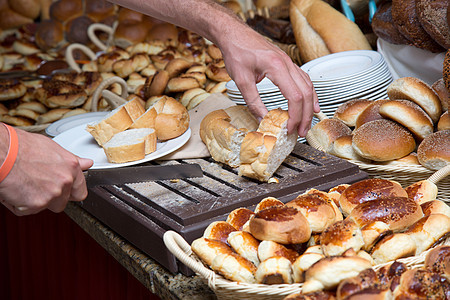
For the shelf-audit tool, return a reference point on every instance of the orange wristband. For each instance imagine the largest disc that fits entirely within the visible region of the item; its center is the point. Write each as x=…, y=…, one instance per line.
x=11, y=156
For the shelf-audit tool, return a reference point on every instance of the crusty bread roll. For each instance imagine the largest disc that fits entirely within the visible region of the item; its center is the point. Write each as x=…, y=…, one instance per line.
x=394, y=246
x=373, y=232
x=238, y=217
x=438, y=260
x=319, y=295
x=274, y=270
x=382, y=140
x=416, y=90
x=349, y=111
x=432, y=15
x=218, y=230
x=410, y=115
x=383, y=25
x=442, y=92
x=208, y=249
x=336, y=191
x=428, y=231
x=444, y=122
x=303, y=263
x=435, y=207
x=398, y=212
x=245, y=245
x=172, y=118
x=422, y=191
x=420, y=283
x=326, y=198
x=319, y=212
x=341, y=236
x=129, y=32
x=434, y=151
x=319, y=28
x=328, y=272
x=366, y=279
x=130, y=145
x=328, y=130
x=370, y=113
x=368, y=190
x=52, y=115
x=343, y=147
x=284, y=225
x=234, y=267
x=268, y=249
x=147, y=119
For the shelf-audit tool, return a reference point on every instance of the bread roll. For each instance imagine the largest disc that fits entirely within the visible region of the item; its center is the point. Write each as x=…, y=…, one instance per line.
x=420, y=284
x=319, y=212
x=383, y=25
x=234, y=267
x=422, y=191
x=368, y=190
x=328, y=272
x=343, y=147
x=444, y=122
x=442, y=92
x=408, y=160
x=130, y=145
x=319, y=295
x=434, y=151
x=370, y=113
x=129, y=32
x=268, y=202
x=366, y=279
x=274, y=270
x=239, y=217
x=10, y=19
x=207, y=249
x=389, y=275
x=327, y=24
x=435, y=207
x=328, y=130
x=63, y=94
x=268, y=249
x=392, y=247
x=52, y=115
x=326, y=197
x=218, y=230
x=432, y=15
x=398, y=212
x=410, y=115
x=341, y=236
x=373, y=232
x=382, y=140
x=172, y=118
x=417, y=91
x=335, y=192
x=428, y=231
x=438, y=260
x=349, y=111
x=16, y=121
x=284, y=225
x=303, y=263
x=245, y=245
x=64, y=10
x=446, y=68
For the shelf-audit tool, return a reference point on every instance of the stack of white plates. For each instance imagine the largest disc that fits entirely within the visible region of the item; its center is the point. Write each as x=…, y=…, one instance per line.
x=270, y=94
x=342, y=76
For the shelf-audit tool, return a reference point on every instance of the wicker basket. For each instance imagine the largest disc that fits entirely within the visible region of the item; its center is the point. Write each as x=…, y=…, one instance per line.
x=405, y=175
x=226, y=289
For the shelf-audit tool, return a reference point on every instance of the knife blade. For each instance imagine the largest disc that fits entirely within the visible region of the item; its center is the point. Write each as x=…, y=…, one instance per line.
x=144, y=173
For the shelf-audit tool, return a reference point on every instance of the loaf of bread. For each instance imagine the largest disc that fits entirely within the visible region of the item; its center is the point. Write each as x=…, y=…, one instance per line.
x=320, y=29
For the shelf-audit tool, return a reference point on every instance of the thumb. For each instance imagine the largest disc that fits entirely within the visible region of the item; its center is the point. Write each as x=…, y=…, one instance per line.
x=85, y=163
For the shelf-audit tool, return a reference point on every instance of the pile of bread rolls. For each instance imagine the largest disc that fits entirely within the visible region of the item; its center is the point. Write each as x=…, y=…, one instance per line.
x=412, y=127
x=421, y=23
x=235, y=138
x=321, y=239
x=130, y=132
x=16, y=13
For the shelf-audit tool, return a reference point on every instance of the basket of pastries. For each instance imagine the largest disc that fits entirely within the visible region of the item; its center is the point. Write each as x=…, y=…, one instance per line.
x=405, y=137
x=372, y=237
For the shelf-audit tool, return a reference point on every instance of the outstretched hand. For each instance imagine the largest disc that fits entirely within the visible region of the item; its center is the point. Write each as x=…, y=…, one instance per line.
x=44, y=176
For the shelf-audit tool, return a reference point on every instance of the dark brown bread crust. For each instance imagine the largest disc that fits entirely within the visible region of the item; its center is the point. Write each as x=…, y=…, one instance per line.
x=406, y=21
x=432, y=15
x=383, y=25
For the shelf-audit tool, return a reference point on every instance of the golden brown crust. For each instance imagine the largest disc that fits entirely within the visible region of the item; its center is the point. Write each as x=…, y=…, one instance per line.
x=65, y=10
x=370, y=113
x=218, y=230
x=238, y=217
x=444, y=122
x=434, y=151
x=11, y=89
x=350, y=110
x=64, y=94
x=49, y=34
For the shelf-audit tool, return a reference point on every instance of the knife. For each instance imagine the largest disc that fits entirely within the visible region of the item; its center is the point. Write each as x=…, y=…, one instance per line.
x=145, y=173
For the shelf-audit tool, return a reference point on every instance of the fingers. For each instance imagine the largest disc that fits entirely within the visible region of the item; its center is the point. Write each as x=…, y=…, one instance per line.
x=85, y=163
x=252, y=98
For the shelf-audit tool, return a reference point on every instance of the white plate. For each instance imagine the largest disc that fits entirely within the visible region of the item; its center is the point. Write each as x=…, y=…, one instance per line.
x=342, y=64
x=70, y=122
x=264, y=85
x=80, y=142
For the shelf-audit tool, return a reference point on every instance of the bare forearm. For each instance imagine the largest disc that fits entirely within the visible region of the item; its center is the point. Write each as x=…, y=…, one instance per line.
x=205, y=17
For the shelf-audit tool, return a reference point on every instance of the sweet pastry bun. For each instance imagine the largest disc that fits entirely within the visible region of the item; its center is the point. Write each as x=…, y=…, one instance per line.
x=268, y=202
x=245, y=245
x=366, y=279
x=341, y=236
x=52, y=115
x=218, y=230
x=435, y=207
x=392, y=247
x=208, y=249
x=303, y=263
x=368, y=190
x=422, y=191
x=373, y=232
x=239, y=217
x=438, y=260
x=234, y=267
x=268, y=249
x=434, y=151
x=284, y=225
x=417, y=91
x=350, y=111
x=420, y=284
x=382, y=140
x=274, y=270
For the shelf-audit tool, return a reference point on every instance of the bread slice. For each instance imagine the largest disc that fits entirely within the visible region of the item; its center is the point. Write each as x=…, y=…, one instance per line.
x=264, y=150
x=130, y=145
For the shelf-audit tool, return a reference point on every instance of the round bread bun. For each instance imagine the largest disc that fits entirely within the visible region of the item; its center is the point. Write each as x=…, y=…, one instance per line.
x=370, y=113
x=397, y=212
x=328, y=130
x=9, y=19
x=172, y=119
x=49, y=34
x=382, y=140
x=350, y=111
x=319, y=213
x=165, y=32
x=438, y=260
x=432, y=16
x=65, y=10
x=383, y=25
x=442, y=92
x=410, y=115
x=406, y=20
x=218, y=230
x=238, y=217
x=156, y=84
x=417, y=91
x=268, y=202
x=341, y=236
x=284, y=225
x=274, y=270
x=216, y=71
x=368, y=190
x=419, y=283
x=434, y=151
x=99, y=10
x=76, y=30
x=129, y=33
x=342, y=147
x=444, y=122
